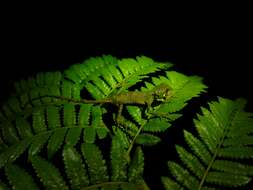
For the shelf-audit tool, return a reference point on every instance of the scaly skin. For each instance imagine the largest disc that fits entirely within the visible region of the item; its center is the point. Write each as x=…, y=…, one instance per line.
x=159, y=93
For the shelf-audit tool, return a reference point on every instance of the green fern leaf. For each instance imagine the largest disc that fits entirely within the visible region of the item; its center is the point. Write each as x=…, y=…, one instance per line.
x=156, y=125
x=95, y=91
x=76, y=92
x=38, y=117
x=101, y=85
x=14, y=104
x=183, y=87
x=183, y=176
x=233, y=167
x=136, y=167
x=130, y=128
x=34, y=95
x=80, y=72
x=139, y=69
x=75, y=168
x=214, y=128
x=24, y=128
x=89, y=135
x=97, y=168
x=170, y=184
x=118, y=160
x=102, y=132
x=116, y=73
x=84, y=114
x=147, y=139
x=8, y=112
x=72, y=75
x=53, y=117
x=38, y=142
x=198, y=147
x=227, y=179
x=244, y=140
x=191, y=162
x=19, y=178
x=96, y=116
x=135, y=112
x=73, y=136
x=232, y=152
x=48, y=174
x=75, y=74
x=55, y=141
x=66, y=89
x=9, y=133
x=11, y=153
x=107, y=76
x=121, y=136
x=69, y=118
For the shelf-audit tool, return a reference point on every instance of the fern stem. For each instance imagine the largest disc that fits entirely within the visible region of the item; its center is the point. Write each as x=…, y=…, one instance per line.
x=114, y=183
x=132, y=143
x=215, y=154
x=75, y=101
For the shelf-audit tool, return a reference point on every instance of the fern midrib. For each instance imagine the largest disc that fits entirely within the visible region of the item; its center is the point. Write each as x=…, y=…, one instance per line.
x=50, y=131
x=140, y=129
x=114, y=183
x=217, y=150
x=137, y=134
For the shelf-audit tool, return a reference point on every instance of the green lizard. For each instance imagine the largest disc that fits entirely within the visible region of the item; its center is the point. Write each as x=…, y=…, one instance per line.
x=161, y=92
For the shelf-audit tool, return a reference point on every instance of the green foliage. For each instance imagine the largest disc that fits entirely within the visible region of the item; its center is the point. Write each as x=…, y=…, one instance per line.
x=213, y=160
x=54, y=136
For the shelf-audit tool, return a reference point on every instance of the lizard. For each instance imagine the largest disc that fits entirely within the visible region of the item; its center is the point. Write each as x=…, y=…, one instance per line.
x=160, y=93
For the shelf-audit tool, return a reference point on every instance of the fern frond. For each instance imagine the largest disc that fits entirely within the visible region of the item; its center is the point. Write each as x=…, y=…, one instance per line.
x=84, y=114
x=81, y=72
x=118, y=161
x=55, y=141
x=73, y=136
x=9, y=132
x=135, y=112
x=75, y=168
x=156, y=125
x=183, y=87
x=38, y=143
x=55, y=125
x=120, y=75
x=183, y=176
x=39, y=120
x=147, y=139
x=53, y=117
x=139, y=69
x=170, y=184
x=213, y=161
x=11, y=153
x=23, y=127
x=89, y=135
x=19, y=178
x=96, y=163
x=122, y=137
x=136, y=168
x=48, y=174
x=69, y=117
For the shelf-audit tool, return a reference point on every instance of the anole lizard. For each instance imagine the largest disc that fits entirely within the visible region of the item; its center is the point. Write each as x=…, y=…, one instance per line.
x=159, y=93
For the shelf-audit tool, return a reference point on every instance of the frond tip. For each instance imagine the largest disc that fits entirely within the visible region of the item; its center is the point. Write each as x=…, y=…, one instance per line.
x=213, y=159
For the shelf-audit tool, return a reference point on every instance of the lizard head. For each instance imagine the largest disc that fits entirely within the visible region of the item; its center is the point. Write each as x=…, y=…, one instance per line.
x=162, y=92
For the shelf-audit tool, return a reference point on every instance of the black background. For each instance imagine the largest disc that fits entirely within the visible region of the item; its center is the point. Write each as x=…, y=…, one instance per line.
x=220, y=51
